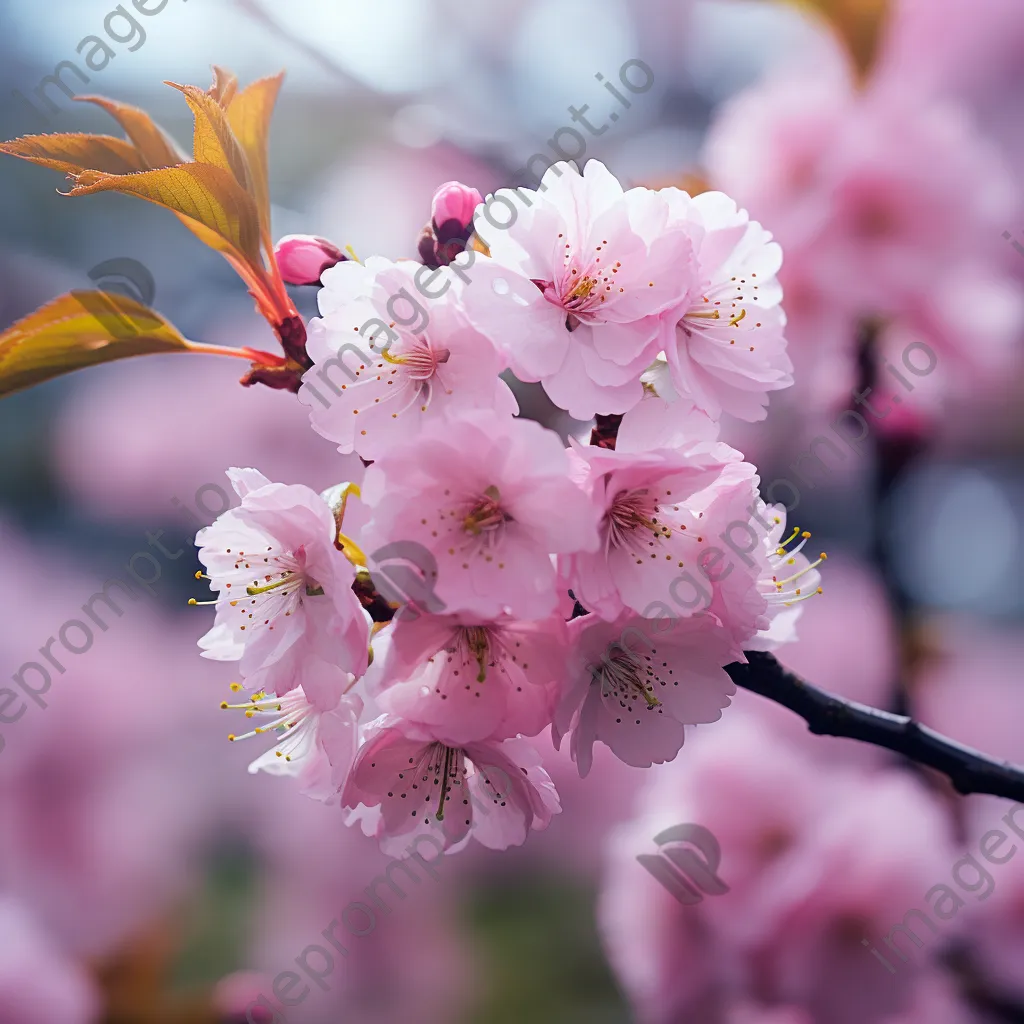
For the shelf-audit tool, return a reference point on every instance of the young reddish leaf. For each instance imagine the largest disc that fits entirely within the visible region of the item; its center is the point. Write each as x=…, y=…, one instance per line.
x=206, y=195
x=77, y=152
x=155, y=146
x=81, y=328
x=213, y=141
x=249, y=116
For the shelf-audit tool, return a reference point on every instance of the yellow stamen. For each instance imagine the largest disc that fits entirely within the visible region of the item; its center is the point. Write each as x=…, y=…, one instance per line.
x=652, y=701
x=253, y=591
x=583, y=289
x=351, y=550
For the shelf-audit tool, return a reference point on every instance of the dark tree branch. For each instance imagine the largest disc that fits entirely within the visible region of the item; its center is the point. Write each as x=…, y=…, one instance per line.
x=969, y=770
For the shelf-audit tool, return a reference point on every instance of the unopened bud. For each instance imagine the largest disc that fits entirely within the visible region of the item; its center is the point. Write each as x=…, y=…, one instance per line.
x=303, y=258
x=451, y=224
x=452, y=209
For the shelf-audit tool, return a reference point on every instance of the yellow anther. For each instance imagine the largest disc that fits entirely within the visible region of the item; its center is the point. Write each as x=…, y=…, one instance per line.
x=351, y=550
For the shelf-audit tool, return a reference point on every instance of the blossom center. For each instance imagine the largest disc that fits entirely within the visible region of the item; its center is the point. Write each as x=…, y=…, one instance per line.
x=420, y=362
x=623, y=677
x=449, y=769
x=630, y=511
x=475, y=640
x=262, y=600
x=585, y=282
x=486, y=514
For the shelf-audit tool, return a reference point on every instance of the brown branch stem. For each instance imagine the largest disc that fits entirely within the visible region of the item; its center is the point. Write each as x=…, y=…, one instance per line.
x=969, y=770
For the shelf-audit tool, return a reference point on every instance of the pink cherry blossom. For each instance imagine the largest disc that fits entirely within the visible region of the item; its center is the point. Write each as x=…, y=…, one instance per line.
x=816, y=859
x=755, y=575
x=314, y=745
x=650, y=540
x=490, y=499
x=466, y=680
x=729, y=350
x=757, y=798
x=493, y=791
x=578, y=278
x=285, y=599
x=393, y=352
x=889, y=841
x=663, y=418
x=635, y=683
x=888, y=202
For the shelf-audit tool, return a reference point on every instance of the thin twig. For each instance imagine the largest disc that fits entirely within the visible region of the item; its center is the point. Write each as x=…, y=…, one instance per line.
x=969, y=770
x=254, y=10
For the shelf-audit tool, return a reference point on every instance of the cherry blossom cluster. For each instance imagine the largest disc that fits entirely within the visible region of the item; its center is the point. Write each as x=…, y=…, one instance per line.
x=596, y=590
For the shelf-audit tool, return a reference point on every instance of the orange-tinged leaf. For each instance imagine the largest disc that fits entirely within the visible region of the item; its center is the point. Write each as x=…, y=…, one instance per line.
x=79, y=329
x=225, y=85
x=213, y=141
x=152, y=142
x=202, y=193
x=249, y=116
x=73, y=153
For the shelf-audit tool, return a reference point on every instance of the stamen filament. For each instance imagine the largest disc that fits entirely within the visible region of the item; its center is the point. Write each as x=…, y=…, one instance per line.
x=253, y=591
x=789, y=579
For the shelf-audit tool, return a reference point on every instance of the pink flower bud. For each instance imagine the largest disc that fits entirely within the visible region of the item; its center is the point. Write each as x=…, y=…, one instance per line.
x=303, y=258
x=454, y=201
